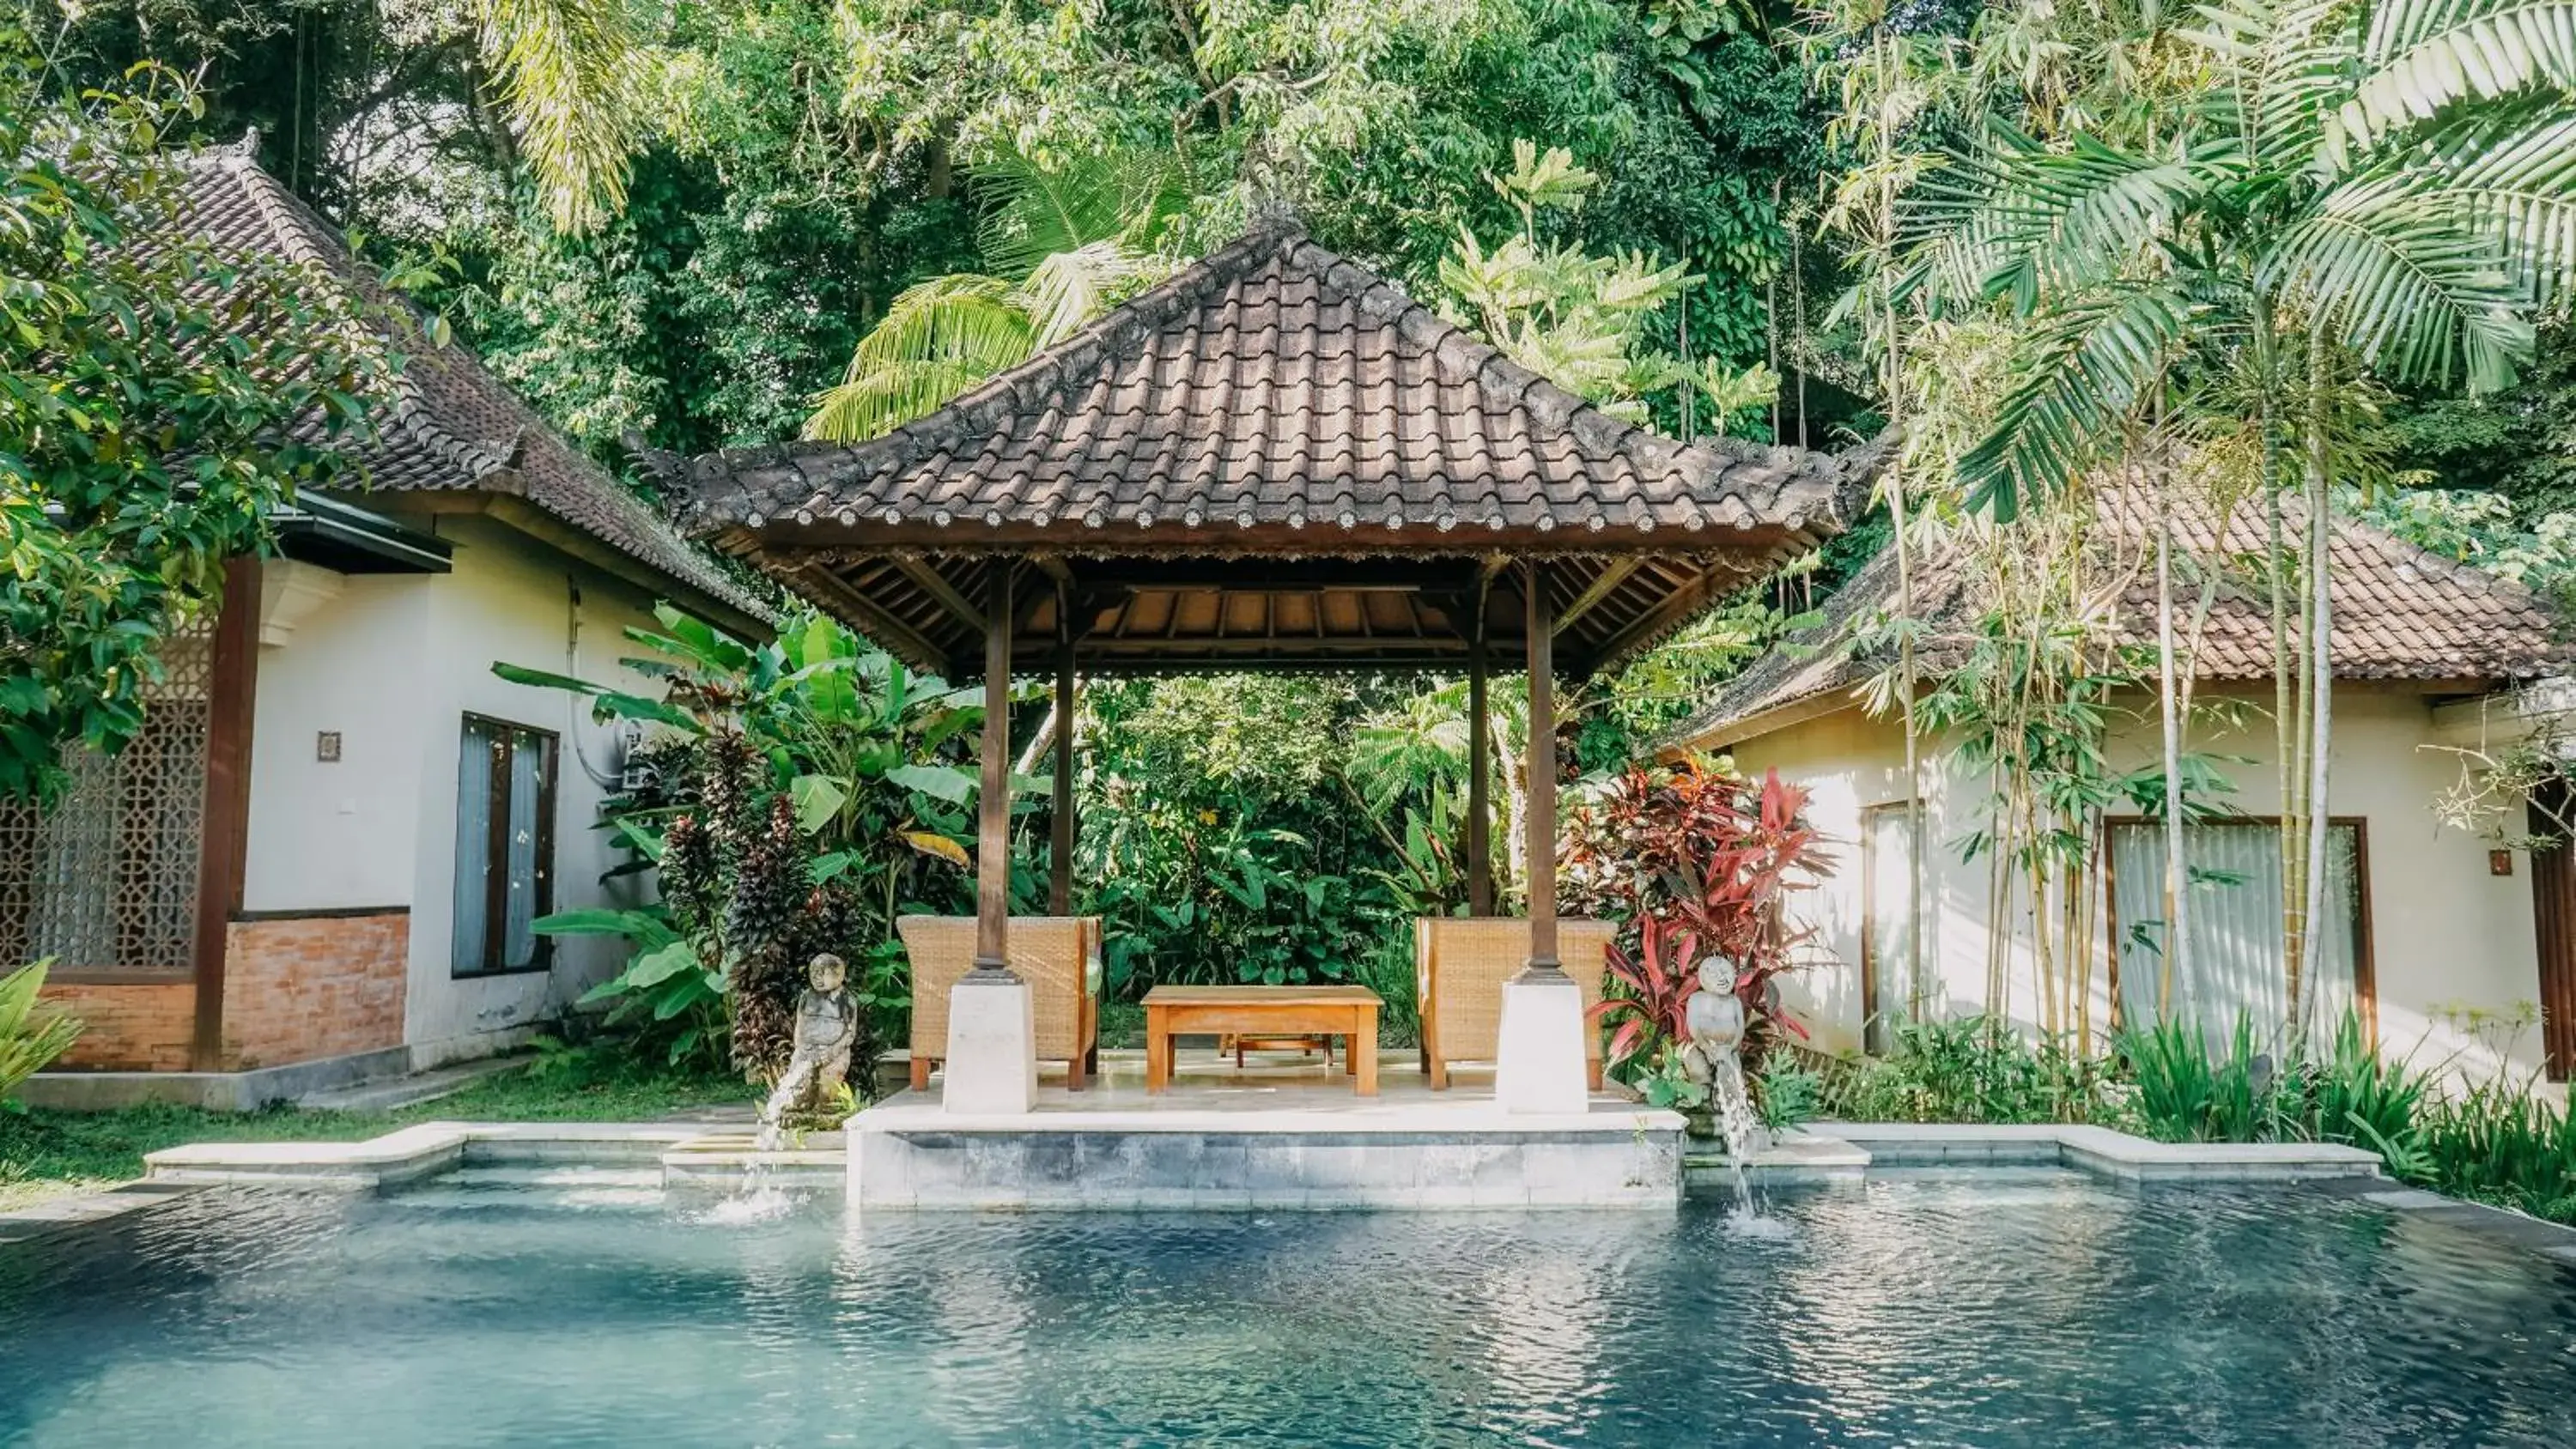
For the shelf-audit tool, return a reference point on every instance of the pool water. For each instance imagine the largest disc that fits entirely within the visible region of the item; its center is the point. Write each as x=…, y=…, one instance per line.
x=501, y=1308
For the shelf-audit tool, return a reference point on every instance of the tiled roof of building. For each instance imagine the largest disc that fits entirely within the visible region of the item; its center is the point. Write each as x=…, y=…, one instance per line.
x=1275, y=384
x=452, y=426
x=2399, y=613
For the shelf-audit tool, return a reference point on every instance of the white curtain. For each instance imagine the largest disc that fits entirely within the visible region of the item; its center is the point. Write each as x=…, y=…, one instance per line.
x=474, y=762
x=1889, y=846
x=2236, y=960
x=527, y=789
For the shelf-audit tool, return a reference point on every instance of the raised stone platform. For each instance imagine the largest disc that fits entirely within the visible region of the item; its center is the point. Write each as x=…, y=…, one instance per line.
x=1284, y=1133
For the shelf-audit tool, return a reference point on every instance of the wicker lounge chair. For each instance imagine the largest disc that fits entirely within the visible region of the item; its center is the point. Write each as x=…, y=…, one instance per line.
x=1460, y=965
x=1059, y=956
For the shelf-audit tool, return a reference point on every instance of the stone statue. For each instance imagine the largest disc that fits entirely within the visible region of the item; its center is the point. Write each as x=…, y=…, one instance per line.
x=827, y=1028
x=1715, y=1016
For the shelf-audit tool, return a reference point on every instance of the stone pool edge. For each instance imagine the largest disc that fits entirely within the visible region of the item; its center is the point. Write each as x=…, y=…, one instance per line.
x=692, y=1153
x=1826, y=1152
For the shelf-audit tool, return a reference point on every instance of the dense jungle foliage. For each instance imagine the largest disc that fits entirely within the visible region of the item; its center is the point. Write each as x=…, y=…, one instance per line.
x=688, y=223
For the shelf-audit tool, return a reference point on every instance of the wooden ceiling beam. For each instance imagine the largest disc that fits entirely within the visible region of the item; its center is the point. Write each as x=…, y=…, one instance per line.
x=869, y=617
x=1277, y=575
x=934, y=583
x=1612, y=575
x=1671, y=612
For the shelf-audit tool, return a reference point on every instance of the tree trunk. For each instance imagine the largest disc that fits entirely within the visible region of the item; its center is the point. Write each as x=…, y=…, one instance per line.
x=2169, y=708
x=2320, y=673
x=1918, y=919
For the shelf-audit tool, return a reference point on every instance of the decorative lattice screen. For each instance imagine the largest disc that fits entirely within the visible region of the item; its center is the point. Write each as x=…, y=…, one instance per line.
x=107, y=879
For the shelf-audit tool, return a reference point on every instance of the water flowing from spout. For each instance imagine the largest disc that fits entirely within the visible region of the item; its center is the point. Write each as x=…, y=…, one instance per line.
x=759, y=1198
x=1736, y=1124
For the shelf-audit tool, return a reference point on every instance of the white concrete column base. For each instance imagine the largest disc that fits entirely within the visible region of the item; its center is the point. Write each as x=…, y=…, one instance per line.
x=1538, y=1065
x=992, y=1062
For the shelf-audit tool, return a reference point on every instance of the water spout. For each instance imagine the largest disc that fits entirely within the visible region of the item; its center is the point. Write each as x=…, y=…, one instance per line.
x=1713, y=1057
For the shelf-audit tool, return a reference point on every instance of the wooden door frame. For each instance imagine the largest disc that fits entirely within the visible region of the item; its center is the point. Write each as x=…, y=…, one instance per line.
x=2557, y=1027
x=223, y=854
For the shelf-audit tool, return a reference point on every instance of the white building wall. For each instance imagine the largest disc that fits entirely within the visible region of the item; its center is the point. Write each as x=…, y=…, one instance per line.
x=2452, y=944
x=339, y=835
x=394, y=664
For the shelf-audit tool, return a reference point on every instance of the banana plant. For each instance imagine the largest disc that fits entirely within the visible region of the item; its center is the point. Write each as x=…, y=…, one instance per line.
x=29, y=1038
x=869, y=762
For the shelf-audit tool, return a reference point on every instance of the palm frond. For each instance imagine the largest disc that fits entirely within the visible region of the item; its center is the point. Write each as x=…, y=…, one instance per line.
x=938, y=339
x=2418, y=56
x=2417, y=296
x=2512, y=176
x=1032, y=212
x=569, y=72
x=1070, y=288
x=2087, y=369
x=2290, y=63
x=2017, y=218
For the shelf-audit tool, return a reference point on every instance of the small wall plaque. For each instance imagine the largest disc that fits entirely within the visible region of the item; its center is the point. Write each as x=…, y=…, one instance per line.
x=326, y=747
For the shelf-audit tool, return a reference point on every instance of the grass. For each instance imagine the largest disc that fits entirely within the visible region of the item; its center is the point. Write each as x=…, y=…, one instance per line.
x=47, y=1153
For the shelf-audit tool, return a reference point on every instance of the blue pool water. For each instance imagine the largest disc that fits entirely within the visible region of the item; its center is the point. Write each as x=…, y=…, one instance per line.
x=2034, y=1309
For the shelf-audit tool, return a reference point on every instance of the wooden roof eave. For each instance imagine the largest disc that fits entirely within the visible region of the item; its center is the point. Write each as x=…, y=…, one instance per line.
x=773, y=537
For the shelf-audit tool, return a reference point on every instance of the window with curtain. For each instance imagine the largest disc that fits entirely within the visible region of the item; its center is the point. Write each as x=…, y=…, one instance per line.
x=2237, y=944
x=1887, y=932
x=505, y=792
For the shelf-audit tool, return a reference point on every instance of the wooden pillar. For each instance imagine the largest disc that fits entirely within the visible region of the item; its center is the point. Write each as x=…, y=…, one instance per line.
x=993, y=802
x=224, y=846
x=1542, y=778
x=1060, y=840
x=1480, y=768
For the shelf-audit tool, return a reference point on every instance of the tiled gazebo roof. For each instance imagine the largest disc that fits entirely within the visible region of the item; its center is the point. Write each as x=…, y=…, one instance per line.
x=1271, y=402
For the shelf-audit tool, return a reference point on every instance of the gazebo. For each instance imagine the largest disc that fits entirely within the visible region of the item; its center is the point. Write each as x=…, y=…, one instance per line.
x=1275, y=460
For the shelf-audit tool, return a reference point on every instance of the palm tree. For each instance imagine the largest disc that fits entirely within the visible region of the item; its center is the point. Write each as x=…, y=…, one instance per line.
x=2383, y=193
x=570, y=72
x=1064, y=244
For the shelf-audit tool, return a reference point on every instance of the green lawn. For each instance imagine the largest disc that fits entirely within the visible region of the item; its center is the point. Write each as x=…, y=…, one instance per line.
x=44, y=1153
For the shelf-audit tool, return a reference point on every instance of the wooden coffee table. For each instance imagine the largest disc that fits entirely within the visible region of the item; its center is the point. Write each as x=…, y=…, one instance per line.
x=1262, y=1011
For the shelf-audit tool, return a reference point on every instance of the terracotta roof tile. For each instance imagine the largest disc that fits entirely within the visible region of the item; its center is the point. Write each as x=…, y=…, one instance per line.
x=451, y=425
x=2400, y=613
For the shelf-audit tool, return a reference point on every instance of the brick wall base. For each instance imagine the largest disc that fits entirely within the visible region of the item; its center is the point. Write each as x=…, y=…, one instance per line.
x=314, y=986
x=294, y=990
x=129, y=1028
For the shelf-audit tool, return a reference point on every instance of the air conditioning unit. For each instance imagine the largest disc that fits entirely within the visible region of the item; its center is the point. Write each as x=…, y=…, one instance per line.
x=628, y=765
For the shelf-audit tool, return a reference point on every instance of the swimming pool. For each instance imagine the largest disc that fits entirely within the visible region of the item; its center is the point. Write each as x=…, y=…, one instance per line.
x=1994, y=1308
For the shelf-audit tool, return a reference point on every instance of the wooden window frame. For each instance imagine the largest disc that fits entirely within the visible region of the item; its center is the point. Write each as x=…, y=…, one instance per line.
x=496, y=852
x=2365, y=970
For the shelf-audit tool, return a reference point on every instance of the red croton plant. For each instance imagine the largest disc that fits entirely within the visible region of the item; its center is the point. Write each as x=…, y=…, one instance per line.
x=1696, y=862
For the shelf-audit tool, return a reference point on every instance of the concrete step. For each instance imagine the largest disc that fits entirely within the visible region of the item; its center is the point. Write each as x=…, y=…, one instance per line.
x=387, y=1095
x=556, y=1178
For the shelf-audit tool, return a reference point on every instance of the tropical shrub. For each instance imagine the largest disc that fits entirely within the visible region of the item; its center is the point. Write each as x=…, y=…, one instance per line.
x=2356, y=1097
x=1652, y=1003
x=1973, y=1069
x=1787, y=1092
x=29, y=1038
x=156, y=402
x=2498, y=1142
x=2186, y=1093
x=1710, y=858
x=798, y=796
x=1223, y=839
